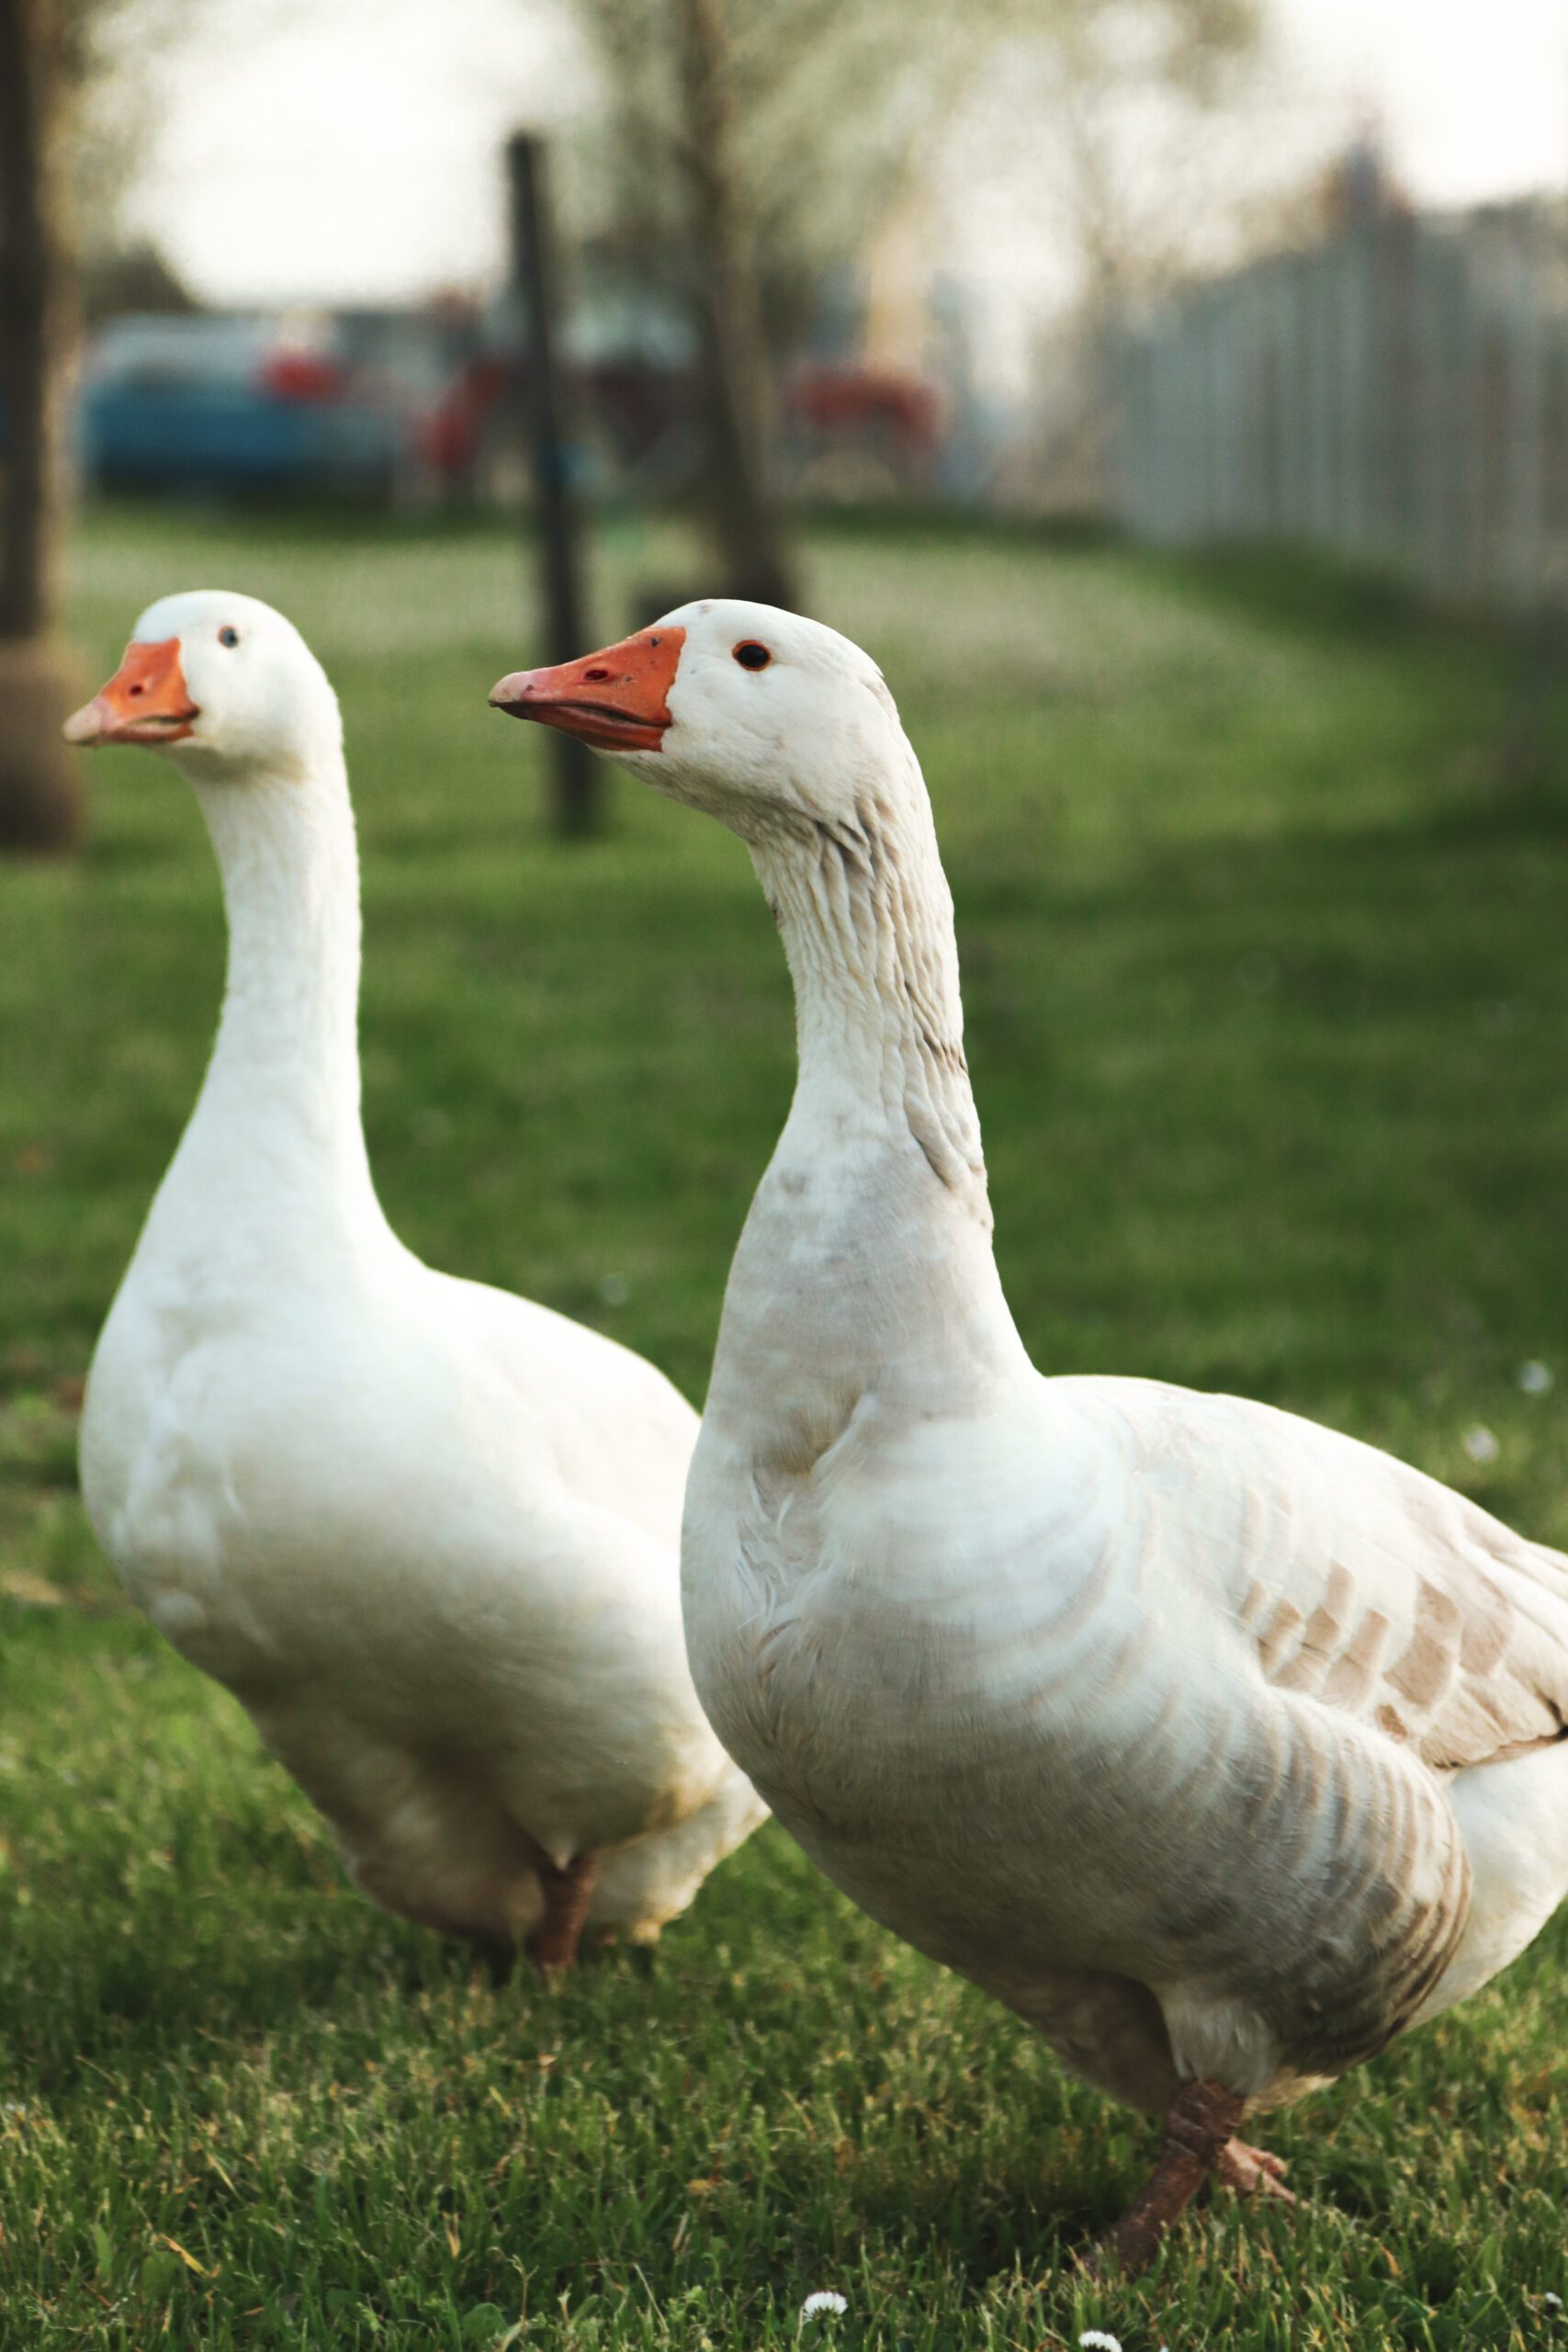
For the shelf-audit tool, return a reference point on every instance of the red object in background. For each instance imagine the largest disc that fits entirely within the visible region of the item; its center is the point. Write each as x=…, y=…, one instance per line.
x=451, y=434
x=632, y=403
x=302, y=376
x=857, y=400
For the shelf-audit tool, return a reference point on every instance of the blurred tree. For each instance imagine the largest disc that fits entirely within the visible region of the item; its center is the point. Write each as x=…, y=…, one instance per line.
x=748, y=151
x=57, y=58
x=40, y=807
x=1142, y=130
x=1138, y=91
x=121, y=277
x=745, y=149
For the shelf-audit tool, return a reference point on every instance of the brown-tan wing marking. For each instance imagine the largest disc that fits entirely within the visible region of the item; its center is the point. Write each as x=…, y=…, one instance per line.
x=1388, y=1597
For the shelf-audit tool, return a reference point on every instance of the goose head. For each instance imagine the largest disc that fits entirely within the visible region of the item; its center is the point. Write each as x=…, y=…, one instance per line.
x=767, y=720
x=223, y=683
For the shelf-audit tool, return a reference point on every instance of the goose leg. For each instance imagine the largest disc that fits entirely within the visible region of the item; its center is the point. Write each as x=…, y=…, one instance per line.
x=497, y=1956
x=567, y=1897
x=1198, y=2128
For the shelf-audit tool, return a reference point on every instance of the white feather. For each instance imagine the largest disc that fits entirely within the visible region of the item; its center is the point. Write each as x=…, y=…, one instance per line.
x=1216, y=1743
x=425, y=1532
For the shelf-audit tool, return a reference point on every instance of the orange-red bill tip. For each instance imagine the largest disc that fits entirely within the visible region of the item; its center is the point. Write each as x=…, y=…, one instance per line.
x=146, y=701
x=616, y=700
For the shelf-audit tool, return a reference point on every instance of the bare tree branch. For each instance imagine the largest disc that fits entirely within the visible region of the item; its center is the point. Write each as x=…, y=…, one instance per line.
x=750, y=147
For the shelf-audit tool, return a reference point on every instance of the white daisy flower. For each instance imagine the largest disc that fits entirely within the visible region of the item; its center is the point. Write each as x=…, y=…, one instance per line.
x=824, y=2300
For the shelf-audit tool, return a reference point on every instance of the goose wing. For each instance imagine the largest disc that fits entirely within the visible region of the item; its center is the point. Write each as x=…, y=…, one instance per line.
x=1361, y=1583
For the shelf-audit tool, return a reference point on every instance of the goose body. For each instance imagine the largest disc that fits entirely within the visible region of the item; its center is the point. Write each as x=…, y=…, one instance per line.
x=1217, y=1745
x=424, y=1531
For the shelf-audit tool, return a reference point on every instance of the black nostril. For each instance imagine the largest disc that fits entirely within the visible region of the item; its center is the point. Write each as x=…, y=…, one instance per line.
x=138, y=690
x=596, y=674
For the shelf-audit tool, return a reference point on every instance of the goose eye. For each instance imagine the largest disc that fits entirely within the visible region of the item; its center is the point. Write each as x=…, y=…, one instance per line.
x=750, y=655
x=228, y=637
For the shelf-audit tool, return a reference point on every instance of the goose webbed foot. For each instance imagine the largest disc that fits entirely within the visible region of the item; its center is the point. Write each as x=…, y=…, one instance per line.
x=1198, y=2130
x=1253, y=2172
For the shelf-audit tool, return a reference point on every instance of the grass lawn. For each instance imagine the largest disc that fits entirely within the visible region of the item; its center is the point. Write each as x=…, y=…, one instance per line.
x=1267, y=994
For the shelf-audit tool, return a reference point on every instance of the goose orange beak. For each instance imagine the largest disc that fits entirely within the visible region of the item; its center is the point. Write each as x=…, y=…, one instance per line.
x=617, y=700
x=146, y=701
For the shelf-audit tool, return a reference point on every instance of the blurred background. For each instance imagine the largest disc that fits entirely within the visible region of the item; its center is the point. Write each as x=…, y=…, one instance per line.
x=1173, y=396
x=1194, y=270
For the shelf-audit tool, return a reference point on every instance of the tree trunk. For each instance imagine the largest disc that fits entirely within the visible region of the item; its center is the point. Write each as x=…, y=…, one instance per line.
x=39, y=802
x=733, y=365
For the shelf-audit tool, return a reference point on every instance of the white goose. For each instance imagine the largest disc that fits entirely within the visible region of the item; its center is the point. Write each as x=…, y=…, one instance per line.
x=1219, y=1747
x=426, y=1533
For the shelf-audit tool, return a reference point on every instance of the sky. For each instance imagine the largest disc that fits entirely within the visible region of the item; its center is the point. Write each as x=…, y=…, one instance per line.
x=1472, y=94
x=321, y=151
x=347, y=150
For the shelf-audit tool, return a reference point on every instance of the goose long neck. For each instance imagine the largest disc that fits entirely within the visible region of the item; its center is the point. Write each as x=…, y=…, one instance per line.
x=867, y=918
x=286, y=1064
x=865, y=1269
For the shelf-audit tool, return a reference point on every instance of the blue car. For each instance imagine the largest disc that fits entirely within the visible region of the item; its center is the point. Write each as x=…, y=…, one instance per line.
x=216, y=403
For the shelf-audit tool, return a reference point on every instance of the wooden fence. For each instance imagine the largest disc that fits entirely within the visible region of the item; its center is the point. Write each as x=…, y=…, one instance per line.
x=1398, y=396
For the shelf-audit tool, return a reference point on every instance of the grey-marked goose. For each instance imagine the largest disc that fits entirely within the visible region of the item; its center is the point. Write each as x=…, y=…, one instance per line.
x=1219, y=1747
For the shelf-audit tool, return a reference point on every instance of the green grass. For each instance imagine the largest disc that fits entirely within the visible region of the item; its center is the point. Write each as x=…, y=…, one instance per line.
x=1267, y=995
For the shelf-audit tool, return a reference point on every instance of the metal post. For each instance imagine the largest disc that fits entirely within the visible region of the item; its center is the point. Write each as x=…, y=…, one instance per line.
x=576, y=796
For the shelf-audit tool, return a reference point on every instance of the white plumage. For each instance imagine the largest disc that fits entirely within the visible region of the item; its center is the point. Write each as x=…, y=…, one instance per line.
x=1219, y=1747
x=424, y=1531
